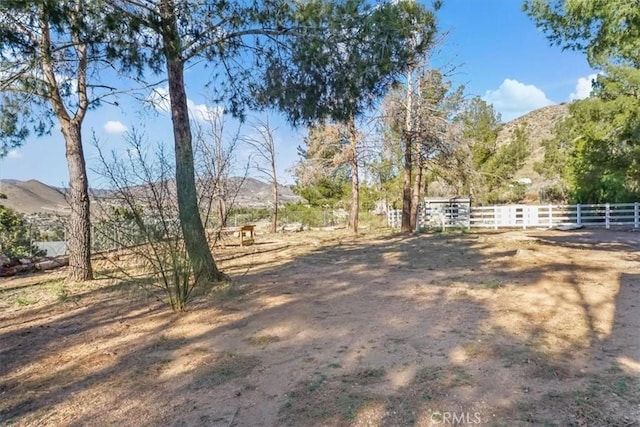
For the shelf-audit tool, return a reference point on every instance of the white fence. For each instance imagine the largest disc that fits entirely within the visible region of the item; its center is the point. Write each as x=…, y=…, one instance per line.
x=523, y=216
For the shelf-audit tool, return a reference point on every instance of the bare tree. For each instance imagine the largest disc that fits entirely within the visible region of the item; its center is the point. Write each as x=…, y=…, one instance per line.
x=214, y=157
x=141, y=216
x=264, y=147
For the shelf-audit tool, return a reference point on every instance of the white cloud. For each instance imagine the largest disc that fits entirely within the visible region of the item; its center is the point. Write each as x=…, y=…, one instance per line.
x=14, y=154
x=583, y=87
x=159, y=99
x=513, y=99
x=114, y=127
x=202, y=112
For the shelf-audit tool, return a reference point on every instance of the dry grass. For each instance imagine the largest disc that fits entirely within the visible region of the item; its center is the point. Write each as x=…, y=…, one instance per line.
x=263, y=340
x=225, y=367
x=519, y=328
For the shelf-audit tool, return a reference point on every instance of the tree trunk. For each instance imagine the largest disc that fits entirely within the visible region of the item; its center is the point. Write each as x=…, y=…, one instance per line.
x=79, y=241
x=408, y=165
x=194, y=237
x=204, y=266
x=417, y=190
x=355, y=183
x=274, y=217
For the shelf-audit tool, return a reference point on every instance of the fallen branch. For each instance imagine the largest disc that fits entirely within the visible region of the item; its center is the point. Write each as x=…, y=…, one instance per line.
x=41, y=265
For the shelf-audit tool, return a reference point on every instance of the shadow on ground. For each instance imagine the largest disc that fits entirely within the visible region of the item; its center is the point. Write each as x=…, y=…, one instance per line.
x=505, y=329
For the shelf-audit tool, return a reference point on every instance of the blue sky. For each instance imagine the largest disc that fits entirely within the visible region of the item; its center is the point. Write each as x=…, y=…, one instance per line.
x=501, y=56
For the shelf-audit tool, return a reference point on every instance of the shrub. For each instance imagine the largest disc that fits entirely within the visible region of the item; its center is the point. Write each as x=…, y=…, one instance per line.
x=15, y=235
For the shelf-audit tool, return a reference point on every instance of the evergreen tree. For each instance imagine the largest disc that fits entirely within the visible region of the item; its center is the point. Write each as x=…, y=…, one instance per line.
x=50, y=54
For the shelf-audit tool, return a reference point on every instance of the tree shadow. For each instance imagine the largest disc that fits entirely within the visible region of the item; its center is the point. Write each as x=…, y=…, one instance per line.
x=398, y=330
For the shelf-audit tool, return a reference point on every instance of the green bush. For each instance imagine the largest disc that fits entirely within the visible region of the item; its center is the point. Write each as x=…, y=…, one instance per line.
x=15, y=236
x=309, y=216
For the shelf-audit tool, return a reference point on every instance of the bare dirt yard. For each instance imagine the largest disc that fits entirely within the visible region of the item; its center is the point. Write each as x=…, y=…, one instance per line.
x=518, y=328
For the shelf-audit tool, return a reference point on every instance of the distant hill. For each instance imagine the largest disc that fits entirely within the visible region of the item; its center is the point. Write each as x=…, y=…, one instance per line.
x=255, y=193
x=34, y=197
x=539, y=125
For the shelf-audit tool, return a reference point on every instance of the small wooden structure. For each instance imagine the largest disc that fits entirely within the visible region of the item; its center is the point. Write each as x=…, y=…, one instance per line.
x=245, y=233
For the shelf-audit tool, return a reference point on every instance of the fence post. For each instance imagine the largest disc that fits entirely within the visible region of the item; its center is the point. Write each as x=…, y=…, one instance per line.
x=495, y=217
x=578, y=214
x=607, y=216
x=550, y=213
x=636, y=215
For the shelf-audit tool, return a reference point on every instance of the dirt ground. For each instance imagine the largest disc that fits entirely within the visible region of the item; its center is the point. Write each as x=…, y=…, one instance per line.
x=518, y=328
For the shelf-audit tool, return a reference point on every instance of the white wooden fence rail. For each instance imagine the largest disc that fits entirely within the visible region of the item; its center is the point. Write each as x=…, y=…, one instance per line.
x=522, y=216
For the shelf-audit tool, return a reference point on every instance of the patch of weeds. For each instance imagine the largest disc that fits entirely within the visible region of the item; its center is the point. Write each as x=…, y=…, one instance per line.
x=25, y=300
x=224, y=292
x=53, y=283
x=63, y=295
x=248, y=386
x=227, y=366
x=263, y=340
x=621, y=386
x=475, y=349
x=317, y=382
x=610, y=399
x=535, y=363
x=445, y=377
x=492, y=284
x=365, y=376
x=61, y=292
x=512, y=354
x=323, y=402
x=541, y=368
x=349, y=404
x=165, y=342
x=461, y=294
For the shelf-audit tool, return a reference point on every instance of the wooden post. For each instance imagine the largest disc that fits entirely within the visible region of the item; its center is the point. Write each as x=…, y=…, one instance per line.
x=495, y=217
x=550, y=213
x=607, y=216
x=578, y=214
x=636, y=215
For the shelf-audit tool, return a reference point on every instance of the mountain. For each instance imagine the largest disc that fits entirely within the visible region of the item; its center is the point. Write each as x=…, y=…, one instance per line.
x=34, y=197
x=255, y=193
x=539, y=126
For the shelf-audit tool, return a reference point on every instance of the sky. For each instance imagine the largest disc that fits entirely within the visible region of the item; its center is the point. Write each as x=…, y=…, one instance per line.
x=498, y=52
